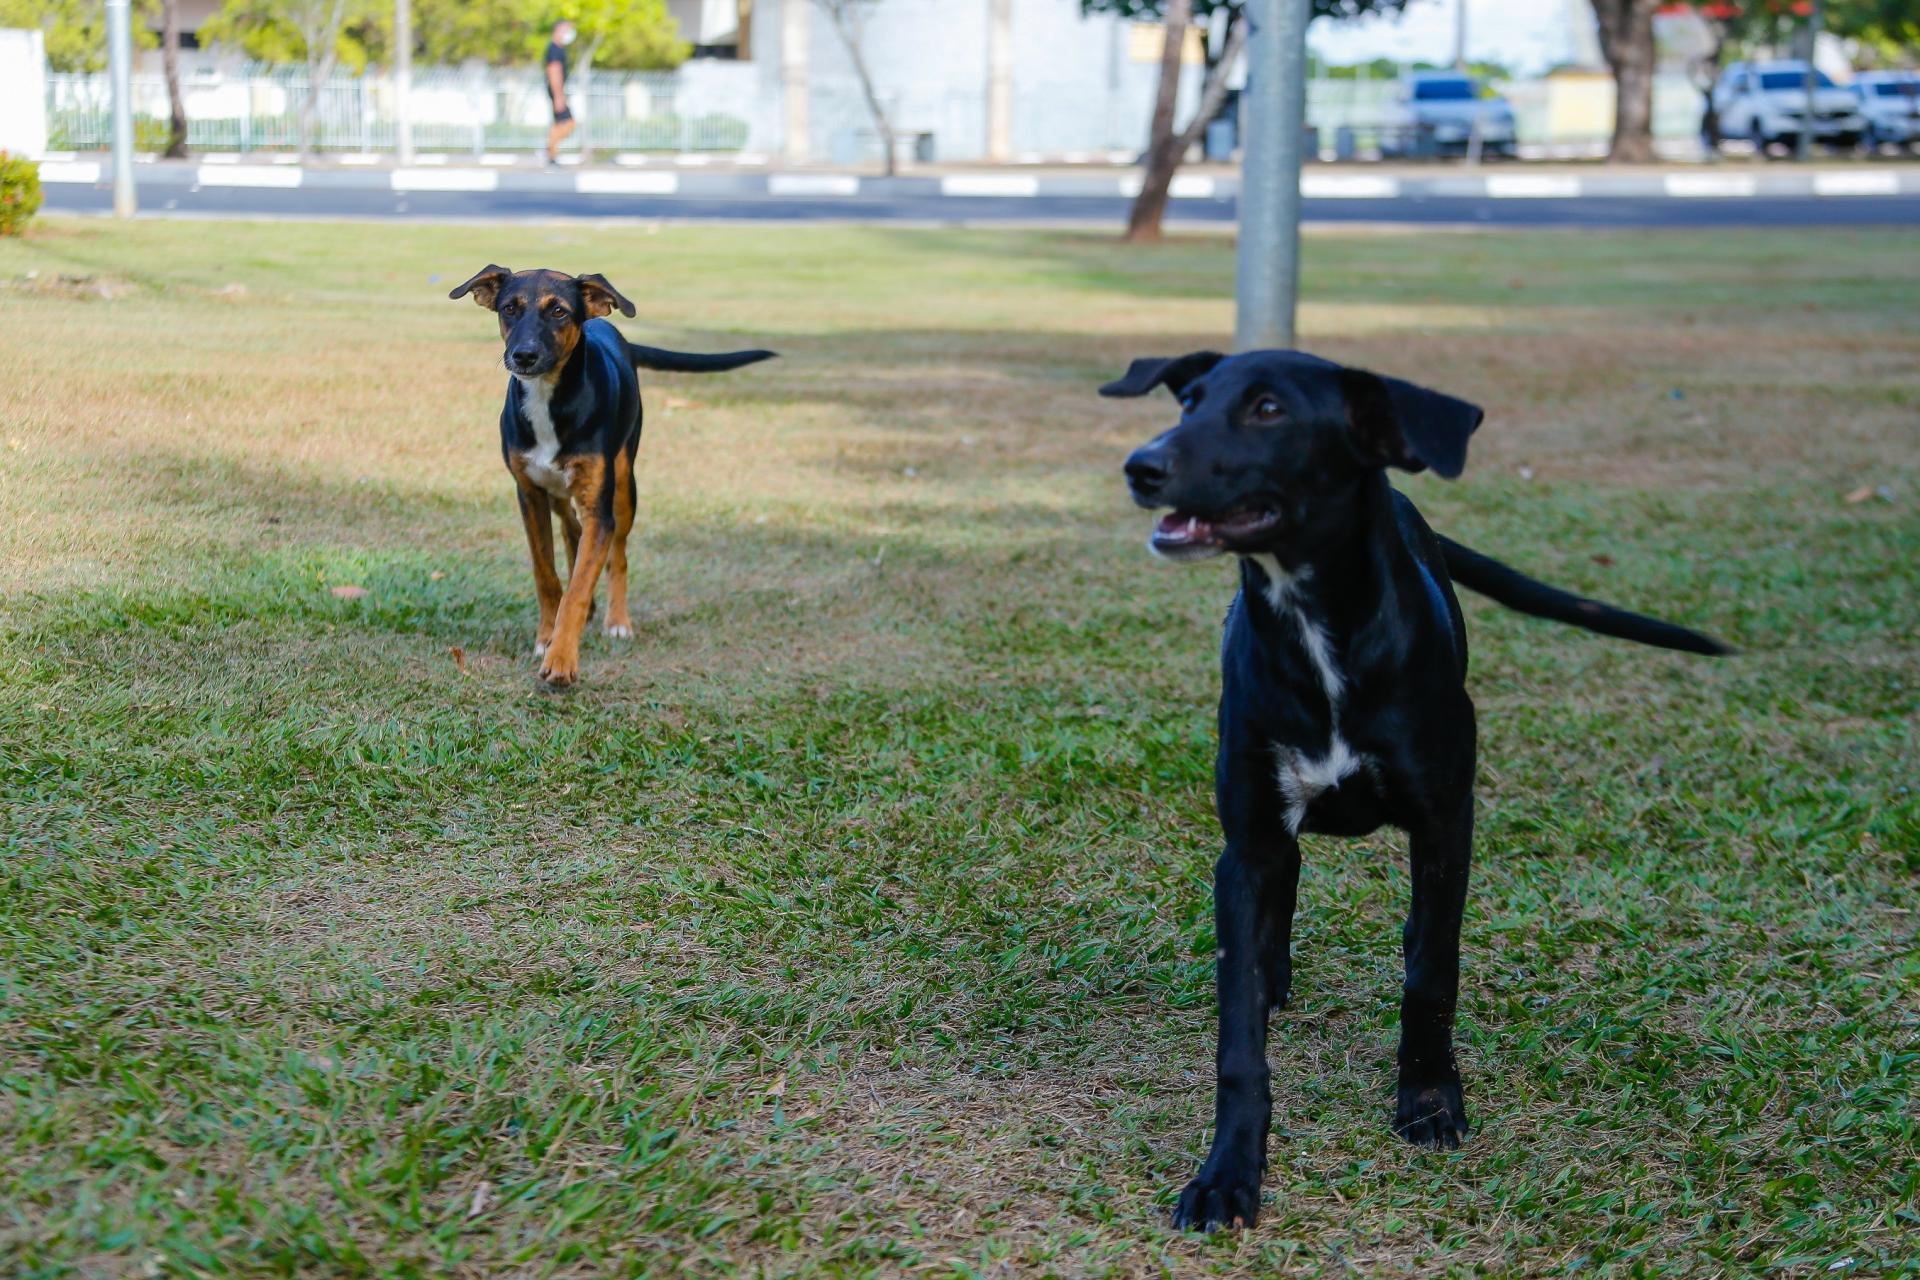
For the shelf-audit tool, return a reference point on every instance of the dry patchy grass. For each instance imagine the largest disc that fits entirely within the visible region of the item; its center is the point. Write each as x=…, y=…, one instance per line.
x=853, y=920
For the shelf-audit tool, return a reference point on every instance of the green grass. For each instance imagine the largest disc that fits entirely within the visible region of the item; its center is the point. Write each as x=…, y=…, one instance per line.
x=854, y=919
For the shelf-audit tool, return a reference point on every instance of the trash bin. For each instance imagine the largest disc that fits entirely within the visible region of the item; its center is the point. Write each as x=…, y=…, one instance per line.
x=1221, y=139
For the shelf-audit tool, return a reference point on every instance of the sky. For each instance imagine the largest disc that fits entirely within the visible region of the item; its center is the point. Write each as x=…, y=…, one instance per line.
x=1526, y=35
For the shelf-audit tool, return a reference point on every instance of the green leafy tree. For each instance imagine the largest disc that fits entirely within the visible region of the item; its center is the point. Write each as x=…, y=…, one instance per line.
x=623, y=35
x=76, y=30
x=1167, y=146
x=321, y=34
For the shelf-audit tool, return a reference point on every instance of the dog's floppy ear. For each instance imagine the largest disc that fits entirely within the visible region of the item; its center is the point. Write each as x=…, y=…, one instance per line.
x=601, y=297
x=1398, y=424
x=1174, y=373
x=485, y=287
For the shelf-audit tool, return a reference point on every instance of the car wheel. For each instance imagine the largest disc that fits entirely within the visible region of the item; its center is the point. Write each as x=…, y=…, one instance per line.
x=1761, y=142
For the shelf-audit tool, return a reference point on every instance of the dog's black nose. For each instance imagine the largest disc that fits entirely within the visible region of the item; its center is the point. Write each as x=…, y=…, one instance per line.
x=525, y=357
x=1147, y=471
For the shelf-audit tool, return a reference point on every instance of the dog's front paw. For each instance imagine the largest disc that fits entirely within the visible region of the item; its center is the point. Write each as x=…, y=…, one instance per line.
x=1431, y=1113
x=620, y=630
x=560, y=669
x=1219, y=1198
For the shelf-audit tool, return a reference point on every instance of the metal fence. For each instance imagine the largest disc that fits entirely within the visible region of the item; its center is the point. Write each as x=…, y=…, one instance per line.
x=452, y=110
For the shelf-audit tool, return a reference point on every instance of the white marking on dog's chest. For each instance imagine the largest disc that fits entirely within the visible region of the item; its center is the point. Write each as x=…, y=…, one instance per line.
x=541, y=463
x=1302, y=777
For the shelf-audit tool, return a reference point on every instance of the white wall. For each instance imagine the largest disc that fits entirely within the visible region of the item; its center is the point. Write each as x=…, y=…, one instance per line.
x=1076, y=86
x=23, y=92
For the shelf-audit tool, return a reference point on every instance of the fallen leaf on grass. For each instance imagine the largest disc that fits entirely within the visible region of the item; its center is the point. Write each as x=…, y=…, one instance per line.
x=482, y=1197
x=436, y=575
x=778, y=1089
x=460, y=659
x=347, y=592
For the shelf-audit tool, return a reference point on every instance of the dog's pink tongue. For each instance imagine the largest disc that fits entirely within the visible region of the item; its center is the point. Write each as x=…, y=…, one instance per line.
x=1183, y=526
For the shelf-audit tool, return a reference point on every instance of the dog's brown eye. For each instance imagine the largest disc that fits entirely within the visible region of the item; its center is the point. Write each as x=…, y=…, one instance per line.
x=1268, y=409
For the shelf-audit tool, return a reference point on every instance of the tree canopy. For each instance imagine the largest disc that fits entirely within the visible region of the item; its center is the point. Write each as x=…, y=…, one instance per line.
x=290, y=31
x=629, y=35
x=1887, y=23
x=616, y=34
x=76, y=30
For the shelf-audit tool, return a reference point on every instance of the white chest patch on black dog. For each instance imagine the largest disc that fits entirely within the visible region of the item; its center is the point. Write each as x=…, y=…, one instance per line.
x=1303, y=776
x=541, y=463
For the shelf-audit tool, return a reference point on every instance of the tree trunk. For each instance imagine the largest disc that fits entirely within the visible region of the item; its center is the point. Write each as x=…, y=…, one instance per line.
x=1150, y=206
x=1165, y=154
x=170, y=61
x=1626, y=38
x=323, y=55
x=840, y=11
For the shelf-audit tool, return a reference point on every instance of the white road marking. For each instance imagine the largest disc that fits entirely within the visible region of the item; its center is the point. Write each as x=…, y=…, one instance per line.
x=601, y=182
x=445, y=180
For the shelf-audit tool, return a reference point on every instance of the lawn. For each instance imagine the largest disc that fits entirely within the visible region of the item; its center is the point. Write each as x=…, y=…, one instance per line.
x=853, y=919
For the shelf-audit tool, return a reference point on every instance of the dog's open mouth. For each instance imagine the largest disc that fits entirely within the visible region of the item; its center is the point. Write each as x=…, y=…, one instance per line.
x=1185, y=536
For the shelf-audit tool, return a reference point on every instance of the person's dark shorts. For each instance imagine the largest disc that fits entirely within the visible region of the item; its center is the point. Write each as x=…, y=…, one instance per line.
x=561, y=115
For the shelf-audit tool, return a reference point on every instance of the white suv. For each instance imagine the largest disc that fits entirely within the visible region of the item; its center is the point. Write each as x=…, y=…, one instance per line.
x=1890, y=101
x=1766, y=102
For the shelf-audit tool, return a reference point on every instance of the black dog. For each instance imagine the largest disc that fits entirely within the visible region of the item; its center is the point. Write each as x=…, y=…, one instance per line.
x=569, y=431
x=1343, y=706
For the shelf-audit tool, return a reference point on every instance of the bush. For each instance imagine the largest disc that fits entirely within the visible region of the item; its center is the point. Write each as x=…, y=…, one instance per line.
x=19, y=193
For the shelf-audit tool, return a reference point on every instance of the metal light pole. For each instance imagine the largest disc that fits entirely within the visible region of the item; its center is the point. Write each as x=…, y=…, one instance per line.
x=120, y=65
x=1274, y=108
x=403, y=81
x=1460, y=35
x=1804, y=144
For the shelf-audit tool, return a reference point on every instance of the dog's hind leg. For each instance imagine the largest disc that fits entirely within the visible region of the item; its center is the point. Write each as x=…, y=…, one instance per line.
x=619, y=621
x=1253, y=897
x=1430, y=1109
x=536, y=513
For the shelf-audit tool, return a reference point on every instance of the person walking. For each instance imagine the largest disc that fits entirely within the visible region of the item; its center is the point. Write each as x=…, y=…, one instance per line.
x=556, y=72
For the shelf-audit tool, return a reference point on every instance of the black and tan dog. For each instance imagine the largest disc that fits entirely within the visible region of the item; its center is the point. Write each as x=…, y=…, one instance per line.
x=1343, y=705
x=569, y=431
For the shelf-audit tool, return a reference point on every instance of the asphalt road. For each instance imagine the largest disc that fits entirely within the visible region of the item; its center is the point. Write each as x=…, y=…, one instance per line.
x=1588, y=211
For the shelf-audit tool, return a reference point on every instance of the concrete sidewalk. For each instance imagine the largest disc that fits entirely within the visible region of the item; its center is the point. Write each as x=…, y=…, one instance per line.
x=674, y=176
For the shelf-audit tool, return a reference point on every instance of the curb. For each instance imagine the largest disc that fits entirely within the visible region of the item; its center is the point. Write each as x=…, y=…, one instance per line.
x=636, y=181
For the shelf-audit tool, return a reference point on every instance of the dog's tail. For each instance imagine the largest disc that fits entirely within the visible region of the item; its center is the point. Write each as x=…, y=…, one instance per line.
x=1518, y=592
x=687, y=362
